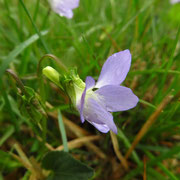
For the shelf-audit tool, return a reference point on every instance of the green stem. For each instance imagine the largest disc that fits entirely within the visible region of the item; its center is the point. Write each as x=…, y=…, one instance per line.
x=51, y=56
x=63, y=131
x=35, y=27
x=147, y=103
x=36, y=10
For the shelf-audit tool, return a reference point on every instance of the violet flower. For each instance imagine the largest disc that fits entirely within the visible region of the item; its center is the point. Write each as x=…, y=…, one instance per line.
x=96, y=101
x=174, y=1
x=64, y=7
x=95, y=105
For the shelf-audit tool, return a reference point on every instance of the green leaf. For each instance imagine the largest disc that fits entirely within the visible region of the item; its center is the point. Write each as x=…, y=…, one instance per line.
x=32, y=105
x=65, y=167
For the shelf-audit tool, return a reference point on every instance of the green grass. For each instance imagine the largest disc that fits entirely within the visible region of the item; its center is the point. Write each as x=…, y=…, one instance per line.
x=150, y=29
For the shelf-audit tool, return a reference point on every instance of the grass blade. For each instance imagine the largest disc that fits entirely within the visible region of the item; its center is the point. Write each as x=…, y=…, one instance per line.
x=35, y=27
x=63, y=131
x=17, y=50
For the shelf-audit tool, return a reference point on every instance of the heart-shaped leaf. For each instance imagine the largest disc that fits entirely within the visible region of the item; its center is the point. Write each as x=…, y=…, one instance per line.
x=65, y=167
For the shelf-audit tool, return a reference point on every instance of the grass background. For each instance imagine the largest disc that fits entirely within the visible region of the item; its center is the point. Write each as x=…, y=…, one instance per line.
x=150, y=29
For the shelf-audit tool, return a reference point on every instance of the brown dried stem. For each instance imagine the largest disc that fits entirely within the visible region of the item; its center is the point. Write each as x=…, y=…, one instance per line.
x=18, y=81
x=117, y=151
x=148, y=124
x=22, y=158
x=77, y=143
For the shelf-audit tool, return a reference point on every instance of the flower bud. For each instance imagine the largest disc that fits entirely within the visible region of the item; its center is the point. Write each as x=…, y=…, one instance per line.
x=52, y=74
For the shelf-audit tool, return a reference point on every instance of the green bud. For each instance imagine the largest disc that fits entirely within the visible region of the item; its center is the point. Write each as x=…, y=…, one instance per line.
x=70, y=82
x=52, y=74
x=74, y=90
x=73, y=86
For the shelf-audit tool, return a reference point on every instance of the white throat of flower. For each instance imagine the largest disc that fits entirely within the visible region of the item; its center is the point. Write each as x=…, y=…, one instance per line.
x=89, y=94
x=78, y=92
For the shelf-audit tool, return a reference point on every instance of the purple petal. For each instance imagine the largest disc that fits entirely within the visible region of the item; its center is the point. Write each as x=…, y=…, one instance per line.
x=115, y=69
x=90, y=83
x=174, y=1
x=65, y=12
x=98, y=116
x=101, y=127
x=117, y=98
x=71, y=4
x=64, y=7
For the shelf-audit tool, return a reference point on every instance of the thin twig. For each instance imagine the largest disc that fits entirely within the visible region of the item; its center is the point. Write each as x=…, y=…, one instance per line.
x=22, y=158
x=46, y=144
x=148, y=124
x=77, y=143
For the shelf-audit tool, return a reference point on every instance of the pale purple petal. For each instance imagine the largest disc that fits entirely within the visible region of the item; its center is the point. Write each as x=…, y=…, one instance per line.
x=98, y=116
x=115, y=69
x=174, y=1
x=64, y=7
x=71, y=4
x=90, y=83
x=65, y=12
x=101, y=127
x=117, y=98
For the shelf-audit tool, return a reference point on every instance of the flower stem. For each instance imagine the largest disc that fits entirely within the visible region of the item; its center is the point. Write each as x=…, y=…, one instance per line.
x=51, y=56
